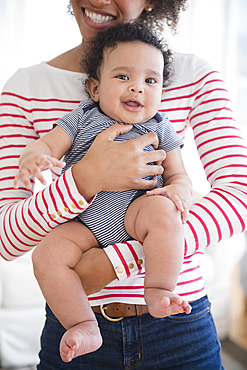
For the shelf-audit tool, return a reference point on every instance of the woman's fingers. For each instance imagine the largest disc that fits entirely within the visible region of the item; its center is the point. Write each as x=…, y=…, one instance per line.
x=113, y=131
x=147, y=139
x=138, y=143
x=155, y=156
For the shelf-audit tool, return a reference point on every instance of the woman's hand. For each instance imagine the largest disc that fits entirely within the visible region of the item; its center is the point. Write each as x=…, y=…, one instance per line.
x=95, y=270
x=118, y=165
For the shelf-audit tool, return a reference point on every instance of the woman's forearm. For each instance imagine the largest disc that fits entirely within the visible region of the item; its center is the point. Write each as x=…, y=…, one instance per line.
x=223, y=153
x=25, y=223
x=99, y=267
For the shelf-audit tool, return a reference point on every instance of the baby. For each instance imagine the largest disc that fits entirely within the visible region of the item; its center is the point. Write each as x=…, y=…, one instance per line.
x=127, y=69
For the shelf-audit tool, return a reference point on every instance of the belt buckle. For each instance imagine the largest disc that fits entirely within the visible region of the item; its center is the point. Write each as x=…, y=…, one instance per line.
x=102, y=310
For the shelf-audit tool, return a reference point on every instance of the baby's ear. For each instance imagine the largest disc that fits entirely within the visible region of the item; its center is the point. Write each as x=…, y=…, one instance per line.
x=93, y=88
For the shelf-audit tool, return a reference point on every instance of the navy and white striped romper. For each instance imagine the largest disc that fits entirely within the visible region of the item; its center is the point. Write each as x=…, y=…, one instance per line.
x=105, y=216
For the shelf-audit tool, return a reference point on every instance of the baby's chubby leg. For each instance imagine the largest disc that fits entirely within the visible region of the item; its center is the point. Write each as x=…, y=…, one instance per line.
x=156, y=222
x=53, y=261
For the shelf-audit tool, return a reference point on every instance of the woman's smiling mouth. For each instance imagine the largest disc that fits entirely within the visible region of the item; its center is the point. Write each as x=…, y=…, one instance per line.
x=98, y=18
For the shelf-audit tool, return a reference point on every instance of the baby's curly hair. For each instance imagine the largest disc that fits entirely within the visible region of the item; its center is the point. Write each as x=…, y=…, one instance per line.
x=164, y=11
x=122, y=32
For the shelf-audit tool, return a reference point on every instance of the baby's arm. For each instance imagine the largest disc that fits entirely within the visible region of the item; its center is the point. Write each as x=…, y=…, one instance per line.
x=41, y=155
x=177, y=185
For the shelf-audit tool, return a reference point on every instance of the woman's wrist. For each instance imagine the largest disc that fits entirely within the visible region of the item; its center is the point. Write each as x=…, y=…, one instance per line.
x=81, y=178
x=95, y=270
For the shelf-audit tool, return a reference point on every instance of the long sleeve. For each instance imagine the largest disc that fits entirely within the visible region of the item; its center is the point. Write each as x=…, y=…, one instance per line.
x=25, y=217
x=223, y=154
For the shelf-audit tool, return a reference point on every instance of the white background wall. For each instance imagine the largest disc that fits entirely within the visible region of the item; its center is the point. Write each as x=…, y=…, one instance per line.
x=209, y=29
x=32, y=31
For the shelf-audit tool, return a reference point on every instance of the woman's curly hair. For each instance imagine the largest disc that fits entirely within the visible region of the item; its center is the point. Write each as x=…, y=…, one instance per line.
x=164, y=11
x=122, y=32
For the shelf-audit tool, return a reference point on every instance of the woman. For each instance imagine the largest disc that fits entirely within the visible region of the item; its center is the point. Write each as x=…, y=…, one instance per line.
x=32, y=100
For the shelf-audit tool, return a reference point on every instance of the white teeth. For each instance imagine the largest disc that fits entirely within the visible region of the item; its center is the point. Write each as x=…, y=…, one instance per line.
x=98, y=18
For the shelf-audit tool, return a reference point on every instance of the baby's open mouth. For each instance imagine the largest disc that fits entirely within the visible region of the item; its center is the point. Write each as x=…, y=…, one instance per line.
x=133, y=104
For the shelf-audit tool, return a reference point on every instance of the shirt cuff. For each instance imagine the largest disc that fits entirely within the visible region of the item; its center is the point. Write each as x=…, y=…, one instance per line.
x=127, y=258
x=67, y=202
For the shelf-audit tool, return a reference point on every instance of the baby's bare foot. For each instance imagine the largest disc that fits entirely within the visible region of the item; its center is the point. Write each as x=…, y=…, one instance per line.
x=162, y=303
x=79, y=340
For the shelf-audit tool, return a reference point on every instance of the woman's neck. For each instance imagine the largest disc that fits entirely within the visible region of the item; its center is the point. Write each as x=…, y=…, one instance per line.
x=70, y=60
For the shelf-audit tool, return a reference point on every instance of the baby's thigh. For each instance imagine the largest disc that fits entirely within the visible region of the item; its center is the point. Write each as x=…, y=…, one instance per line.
x=64, y=245
x=75, y=232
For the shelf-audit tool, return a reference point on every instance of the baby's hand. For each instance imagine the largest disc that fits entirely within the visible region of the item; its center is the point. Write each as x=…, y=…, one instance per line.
x=31, y=165
x=180, y=195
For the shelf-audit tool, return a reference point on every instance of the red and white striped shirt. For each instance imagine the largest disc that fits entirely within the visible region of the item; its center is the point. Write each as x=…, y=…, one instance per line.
x=37, y=96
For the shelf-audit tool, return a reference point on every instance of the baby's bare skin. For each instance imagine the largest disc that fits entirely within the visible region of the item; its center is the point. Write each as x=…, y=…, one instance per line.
x=79, y=340
x=162, y=303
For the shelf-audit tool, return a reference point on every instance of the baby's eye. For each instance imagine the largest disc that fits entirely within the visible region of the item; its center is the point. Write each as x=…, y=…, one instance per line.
x=122, y=77
x=150, y=80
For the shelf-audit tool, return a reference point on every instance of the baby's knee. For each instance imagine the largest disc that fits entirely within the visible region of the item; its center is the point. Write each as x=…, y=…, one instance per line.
x=160, y=205
x=163, y=213
x=40, y=261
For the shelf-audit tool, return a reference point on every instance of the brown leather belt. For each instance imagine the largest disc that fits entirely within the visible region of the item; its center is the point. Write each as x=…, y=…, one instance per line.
x=117, y=311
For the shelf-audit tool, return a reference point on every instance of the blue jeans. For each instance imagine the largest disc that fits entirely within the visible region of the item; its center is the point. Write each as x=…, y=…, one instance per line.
x=178, y=342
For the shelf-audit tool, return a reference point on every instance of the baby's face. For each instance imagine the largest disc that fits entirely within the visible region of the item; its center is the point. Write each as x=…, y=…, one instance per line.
x=130, y=86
